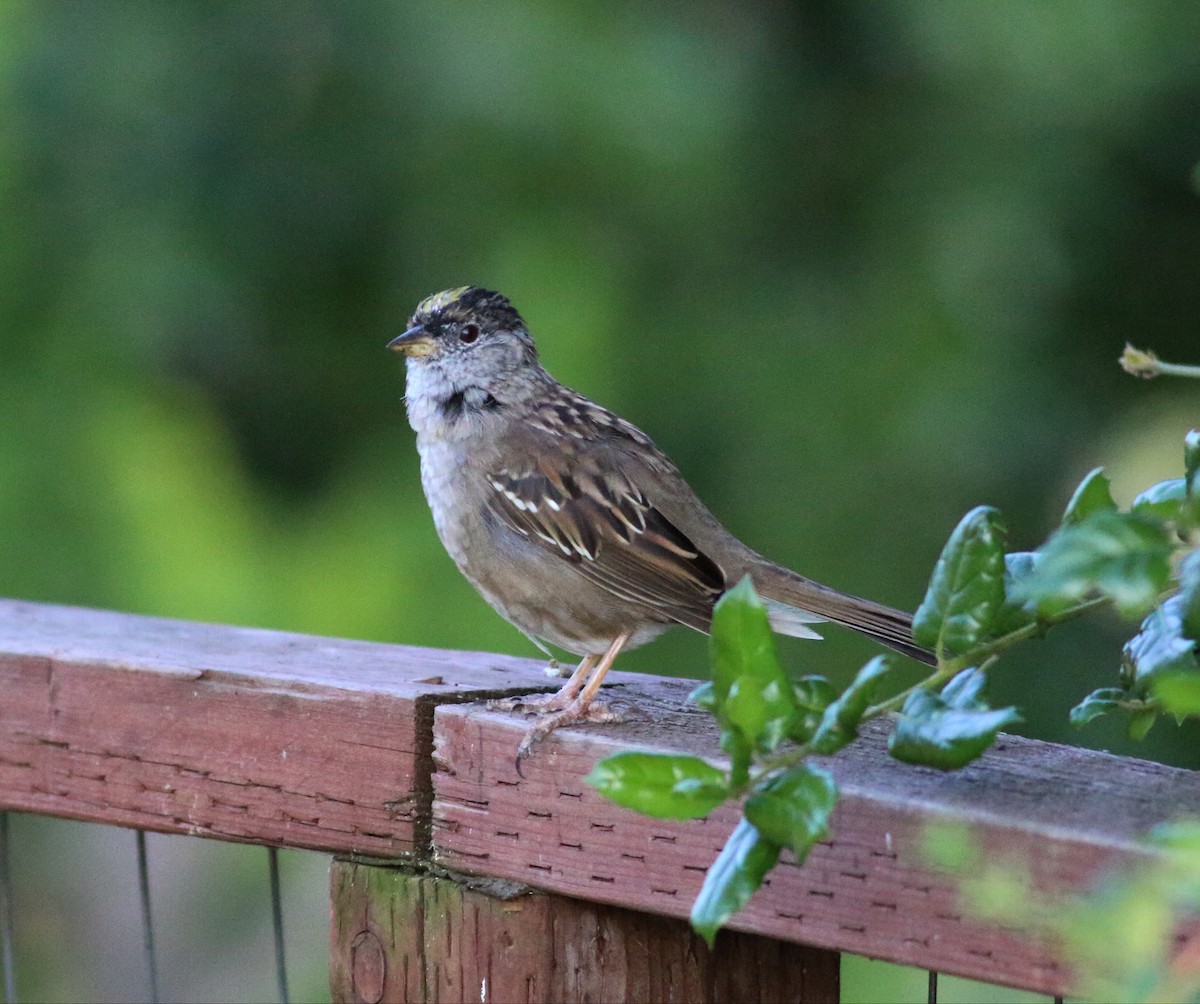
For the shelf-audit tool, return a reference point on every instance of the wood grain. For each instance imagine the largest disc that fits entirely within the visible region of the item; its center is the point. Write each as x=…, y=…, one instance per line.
x=402, y=936
x=369, y=750
x=227, y=732
x=1066, y=813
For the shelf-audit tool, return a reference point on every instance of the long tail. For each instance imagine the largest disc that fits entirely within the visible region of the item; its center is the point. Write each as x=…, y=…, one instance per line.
x=794, y=602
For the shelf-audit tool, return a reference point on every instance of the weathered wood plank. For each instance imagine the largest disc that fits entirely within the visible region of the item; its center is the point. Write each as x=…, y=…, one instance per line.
x=1067, y=812
x=402, y=936
x=327, y=744
x=227, y=732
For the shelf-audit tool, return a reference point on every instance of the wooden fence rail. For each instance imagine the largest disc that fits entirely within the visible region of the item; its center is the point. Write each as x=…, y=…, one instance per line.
x=385, y=757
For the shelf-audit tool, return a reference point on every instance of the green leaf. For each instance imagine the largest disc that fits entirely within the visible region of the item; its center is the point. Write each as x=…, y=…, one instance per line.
x=839, y=722
x=966, y=589
x=1191, y=460
x=704, y=697
x=1161, y=501
x=1189, y=593
x=1182, y=835
x=1097, y=703
x=752, y=694
x=1121, y=555
x=1094, y=494
x=793, y=808
x=1159, y=646
x=813, y=695
x=659, y=785
x=1178, y=693
x=950, y=729
x=733, y=878
x=741, y=755
x=1141, y=722
x=965, y=690
x=1012, y=614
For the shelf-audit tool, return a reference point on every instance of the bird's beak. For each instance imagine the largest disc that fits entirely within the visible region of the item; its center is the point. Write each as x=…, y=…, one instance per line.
x=413, y=343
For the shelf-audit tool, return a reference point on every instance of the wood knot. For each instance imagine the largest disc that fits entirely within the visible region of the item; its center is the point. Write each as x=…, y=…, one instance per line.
x=368, y=968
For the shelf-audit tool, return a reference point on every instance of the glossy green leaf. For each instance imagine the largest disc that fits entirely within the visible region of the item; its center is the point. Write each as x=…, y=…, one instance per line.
x=966, y=589
x=839, y=722
x=950, y=729
x=813, y=695
x=1191, y=458
x=733, y=878
x=1190, y=511
x=659, y=785
x=752, y=694
x=741, y=755
x=1014, y=614
x=1189, y=592
x=1093, y=495
x=1159, y=646
x=793, y=808
x=1097, y=703
x=1161, y=501
x=1121, y=555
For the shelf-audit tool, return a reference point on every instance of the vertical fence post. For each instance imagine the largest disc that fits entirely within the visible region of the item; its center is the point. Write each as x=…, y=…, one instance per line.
x=398, y=935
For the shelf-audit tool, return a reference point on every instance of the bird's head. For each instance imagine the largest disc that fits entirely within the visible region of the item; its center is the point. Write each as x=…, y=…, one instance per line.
x=458, y=324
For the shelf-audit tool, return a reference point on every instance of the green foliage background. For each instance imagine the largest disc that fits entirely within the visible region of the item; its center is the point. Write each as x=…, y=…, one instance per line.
x=856, y=266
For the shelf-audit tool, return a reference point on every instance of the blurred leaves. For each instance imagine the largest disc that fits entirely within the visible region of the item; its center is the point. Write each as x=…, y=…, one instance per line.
x=1093, y=495
x=220, y=213
x=1121, y=555
x=1120, y=935
x=737, y=225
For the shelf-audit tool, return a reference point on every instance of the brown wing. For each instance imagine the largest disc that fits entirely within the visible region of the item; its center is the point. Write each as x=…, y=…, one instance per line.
x=576, y=503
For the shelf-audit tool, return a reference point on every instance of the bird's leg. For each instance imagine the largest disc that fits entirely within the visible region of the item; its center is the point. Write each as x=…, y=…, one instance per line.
x=581, y=708
x=550, y=702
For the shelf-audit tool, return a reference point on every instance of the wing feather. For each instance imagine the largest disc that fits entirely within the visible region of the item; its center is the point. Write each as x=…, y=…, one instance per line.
x=594, y=516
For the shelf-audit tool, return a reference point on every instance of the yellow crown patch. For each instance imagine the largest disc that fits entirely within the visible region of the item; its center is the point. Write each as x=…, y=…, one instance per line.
x=440, y=301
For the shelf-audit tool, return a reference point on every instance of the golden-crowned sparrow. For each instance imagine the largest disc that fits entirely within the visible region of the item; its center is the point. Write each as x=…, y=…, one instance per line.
x=569, y=520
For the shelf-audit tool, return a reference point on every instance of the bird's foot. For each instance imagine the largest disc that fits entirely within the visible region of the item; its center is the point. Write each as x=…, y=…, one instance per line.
x=574, y=712
x=541, y=704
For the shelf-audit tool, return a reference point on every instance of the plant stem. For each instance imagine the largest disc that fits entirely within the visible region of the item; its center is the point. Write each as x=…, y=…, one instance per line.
x=1146, y=364
x=985, y=653
x=1178, y=369
x=982, y=657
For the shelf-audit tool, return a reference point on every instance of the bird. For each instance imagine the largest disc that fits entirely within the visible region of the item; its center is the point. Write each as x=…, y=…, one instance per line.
x=568, y=520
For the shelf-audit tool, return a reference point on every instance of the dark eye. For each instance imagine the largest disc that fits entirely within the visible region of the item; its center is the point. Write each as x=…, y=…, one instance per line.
x=468, y=333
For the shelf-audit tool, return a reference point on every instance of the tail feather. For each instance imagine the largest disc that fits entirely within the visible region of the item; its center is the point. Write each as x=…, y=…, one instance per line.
x=793, y=602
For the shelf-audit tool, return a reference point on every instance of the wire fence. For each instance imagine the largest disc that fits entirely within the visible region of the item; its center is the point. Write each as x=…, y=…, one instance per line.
x=330, y=747
x=34, y=927
x=151, y=964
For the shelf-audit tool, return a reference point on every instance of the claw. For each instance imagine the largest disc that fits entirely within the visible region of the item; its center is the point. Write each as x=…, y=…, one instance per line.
x=575, y=702
x=576, y=711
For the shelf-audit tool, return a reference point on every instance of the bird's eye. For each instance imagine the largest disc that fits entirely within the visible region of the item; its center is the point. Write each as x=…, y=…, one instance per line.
x=468, y=333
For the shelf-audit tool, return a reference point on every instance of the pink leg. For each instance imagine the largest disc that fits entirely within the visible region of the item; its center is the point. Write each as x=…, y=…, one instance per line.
x=549, y=702
x=581, y=708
